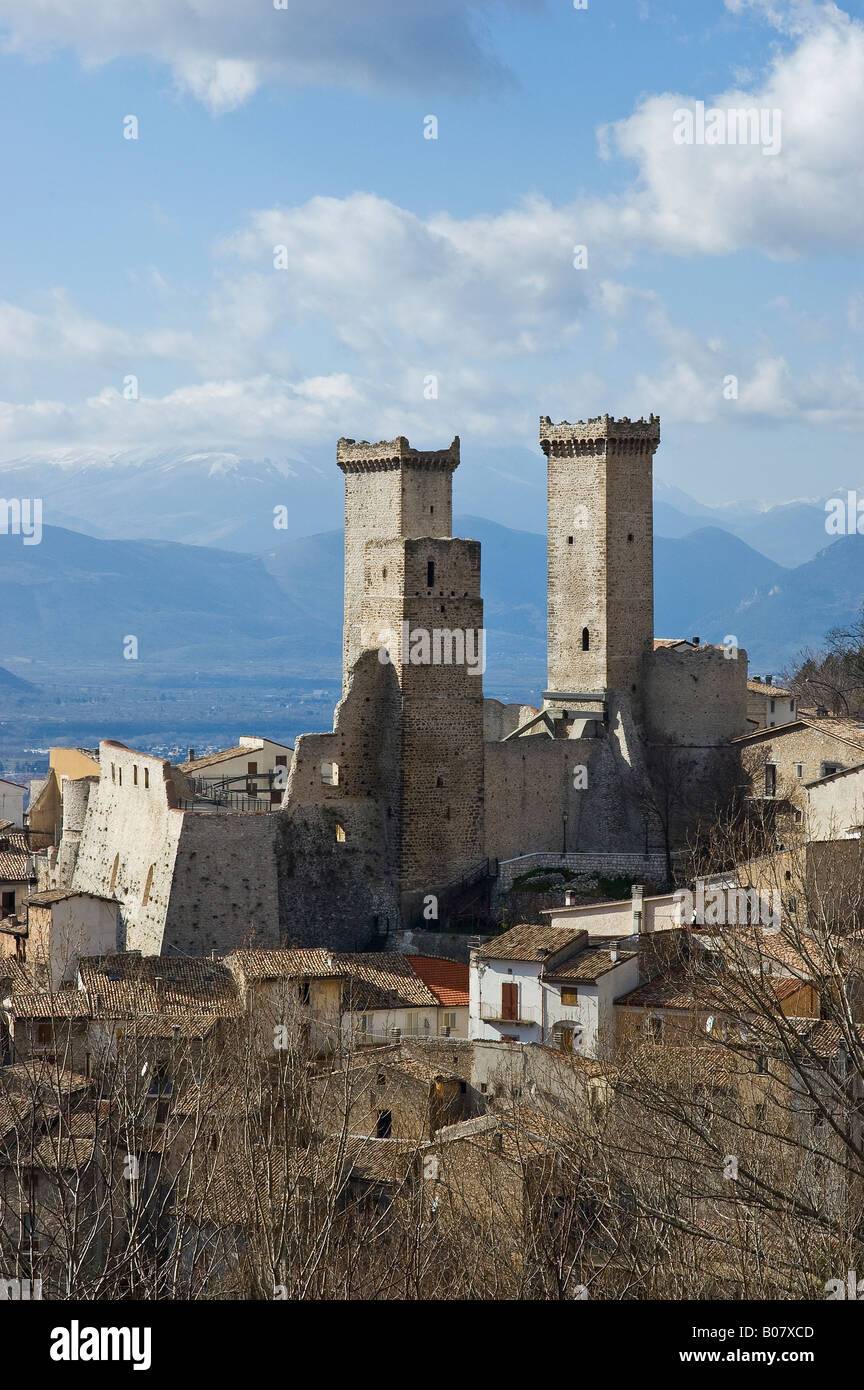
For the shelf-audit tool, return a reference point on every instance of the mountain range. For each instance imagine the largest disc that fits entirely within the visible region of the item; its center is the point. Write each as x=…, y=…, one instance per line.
x=70, y=603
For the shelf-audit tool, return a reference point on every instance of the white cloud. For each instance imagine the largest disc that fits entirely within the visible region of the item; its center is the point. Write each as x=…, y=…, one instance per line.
x=714, y=200
x=223, y=50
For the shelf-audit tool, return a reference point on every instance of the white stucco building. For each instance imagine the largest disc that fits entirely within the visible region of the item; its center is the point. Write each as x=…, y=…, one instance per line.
x=552, y=985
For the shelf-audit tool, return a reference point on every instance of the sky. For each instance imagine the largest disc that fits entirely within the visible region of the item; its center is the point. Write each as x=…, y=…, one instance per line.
x=427, y=287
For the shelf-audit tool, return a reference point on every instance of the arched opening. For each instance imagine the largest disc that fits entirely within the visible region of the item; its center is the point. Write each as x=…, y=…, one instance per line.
x=586, y=640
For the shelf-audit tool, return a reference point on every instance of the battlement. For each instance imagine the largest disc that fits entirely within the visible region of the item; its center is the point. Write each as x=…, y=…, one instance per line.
x=362, y=457
x=567, y=440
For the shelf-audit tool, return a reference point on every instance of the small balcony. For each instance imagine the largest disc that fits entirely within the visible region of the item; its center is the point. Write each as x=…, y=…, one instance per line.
x=524, y=1014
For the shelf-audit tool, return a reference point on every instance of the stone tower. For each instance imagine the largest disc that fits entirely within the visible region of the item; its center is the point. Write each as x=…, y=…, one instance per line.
x=391, y=490
x=601, y=573
x=423, y=595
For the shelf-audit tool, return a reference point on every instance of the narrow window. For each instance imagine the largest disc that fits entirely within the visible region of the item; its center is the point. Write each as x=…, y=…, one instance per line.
x=135, y=774
x=569, y=540
x=145, y=897
x=586, y=640
x=120, y=776
x=770, y=779
x=146, y=778
x=630, y=538
x=113, y=773
x=114, y=868
x=340, y=833
x=430, y=574
x=384, y=1124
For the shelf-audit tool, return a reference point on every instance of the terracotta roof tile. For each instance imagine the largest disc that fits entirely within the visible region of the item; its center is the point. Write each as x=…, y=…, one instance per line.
x=532, y=943
x=447, y=979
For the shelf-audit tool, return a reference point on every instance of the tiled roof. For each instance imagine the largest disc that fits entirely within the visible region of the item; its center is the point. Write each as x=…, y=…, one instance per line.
x=448, y=979
x=849, y=731
x=532, y=943
x=290, y=964
x=14, y=975
x=15, y=857
x=226, y=754
x=66, y=1003
x=381, y=980
x=760, y=688
x=681, y=989
x=57, y=895
x=588, y=966
x=127, y=984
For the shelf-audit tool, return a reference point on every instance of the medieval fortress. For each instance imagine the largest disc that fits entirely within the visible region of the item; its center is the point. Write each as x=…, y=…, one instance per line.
x=423, y=788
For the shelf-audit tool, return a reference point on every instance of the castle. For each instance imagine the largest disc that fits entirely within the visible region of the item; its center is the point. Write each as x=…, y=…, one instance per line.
x=424, y=787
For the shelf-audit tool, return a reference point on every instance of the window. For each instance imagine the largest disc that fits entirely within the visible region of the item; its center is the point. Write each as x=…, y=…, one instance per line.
x=146, y=778
x=773, y=706
x=30, y=1229
x=145, y=896
x=330, y=774
x=383, y=1124
x=510, y=1000
x=44, y=1034
x=120, y=776
x=770, y=779
x=450, y=1018
x=569, y=995
x=799, y=770
x=134, y=774
x=114, y=868
x=829, y=768
x=252, y=769
x=630, y=538
x=569, y=540
x=654, y=1027
x=303, y=991
x=113, y=773
x=281, y=759
x=586, y=640
x=439, y=781
x=430, y=574
x=340, y=834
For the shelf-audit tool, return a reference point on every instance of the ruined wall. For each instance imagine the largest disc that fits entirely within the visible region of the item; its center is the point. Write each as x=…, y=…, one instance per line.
x=185, y=881
x=342, y=892
x=499, y=720
x=695, y=696
x=131, y=826
x=224, y=890
x=531, y=782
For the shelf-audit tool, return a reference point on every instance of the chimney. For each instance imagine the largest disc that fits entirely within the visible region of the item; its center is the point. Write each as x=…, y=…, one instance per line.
x=637, y=909
x=570, y=898
x=768, y=679
x=695, y=641
x=191, y=755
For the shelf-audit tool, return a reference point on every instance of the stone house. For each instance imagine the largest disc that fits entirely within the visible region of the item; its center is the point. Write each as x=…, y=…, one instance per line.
x=781, y=761
x=385, y=1093
x=769, y=704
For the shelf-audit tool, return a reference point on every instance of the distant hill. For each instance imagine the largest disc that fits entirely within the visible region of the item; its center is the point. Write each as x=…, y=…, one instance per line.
x=69, y=603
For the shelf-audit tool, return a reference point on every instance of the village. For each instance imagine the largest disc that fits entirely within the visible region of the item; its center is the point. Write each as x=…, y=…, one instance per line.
x=578, y=987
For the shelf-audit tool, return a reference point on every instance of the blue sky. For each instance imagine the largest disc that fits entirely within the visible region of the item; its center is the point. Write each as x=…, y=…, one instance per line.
x=408, y=257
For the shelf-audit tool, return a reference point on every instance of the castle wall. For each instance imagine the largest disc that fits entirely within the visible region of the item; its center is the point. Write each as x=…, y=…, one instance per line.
x=185, y=881
x=695, y=697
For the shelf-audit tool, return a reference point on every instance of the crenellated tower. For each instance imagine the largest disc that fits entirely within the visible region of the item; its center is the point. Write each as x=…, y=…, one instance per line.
x=600, y=555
